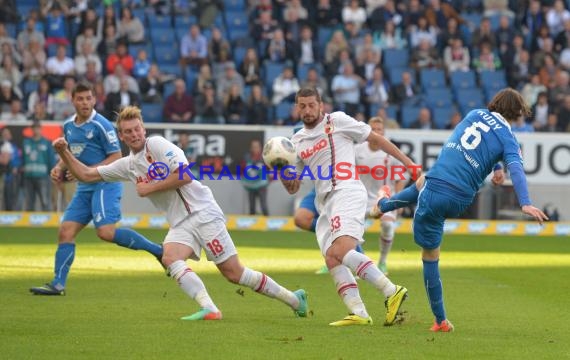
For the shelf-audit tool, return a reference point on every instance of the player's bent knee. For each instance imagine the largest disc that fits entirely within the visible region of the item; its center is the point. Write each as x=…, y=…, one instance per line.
x=67, y=232
x=106, y=233
x=231, y=269
x=304, y=219
x=169, y=259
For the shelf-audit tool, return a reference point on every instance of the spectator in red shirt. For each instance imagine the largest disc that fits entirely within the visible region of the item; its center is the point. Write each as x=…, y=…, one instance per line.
x=179, y=106
x=121, y=56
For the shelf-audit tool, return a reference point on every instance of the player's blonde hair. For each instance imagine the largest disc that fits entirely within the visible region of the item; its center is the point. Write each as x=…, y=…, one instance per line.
x=128, y=113
x=376, y=120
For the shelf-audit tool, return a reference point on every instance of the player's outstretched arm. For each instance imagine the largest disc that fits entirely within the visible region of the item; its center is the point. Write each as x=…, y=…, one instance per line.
x=521, y=189
x=77, y=168
x=536, y=213
x=390, y=148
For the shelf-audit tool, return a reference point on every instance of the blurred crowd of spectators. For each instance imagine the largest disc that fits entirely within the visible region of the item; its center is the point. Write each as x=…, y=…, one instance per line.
x=241, y=62
x=226, y=57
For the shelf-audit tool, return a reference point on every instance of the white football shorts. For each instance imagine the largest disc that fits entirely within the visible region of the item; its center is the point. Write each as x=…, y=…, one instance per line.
x=206, y=230
x=341, y=213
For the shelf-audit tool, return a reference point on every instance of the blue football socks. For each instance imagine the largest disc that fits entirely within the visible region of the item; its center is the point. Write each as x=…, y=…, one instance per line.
x=314, y=223
x=434, y=289
x=402, y=199
x=63, y=259
x=133, y=240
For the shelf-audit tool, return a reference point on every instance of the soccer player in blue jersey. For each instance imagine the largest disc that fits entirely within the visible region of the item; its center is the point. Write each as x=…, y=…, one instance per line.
x=470, y=154
x=92, y=139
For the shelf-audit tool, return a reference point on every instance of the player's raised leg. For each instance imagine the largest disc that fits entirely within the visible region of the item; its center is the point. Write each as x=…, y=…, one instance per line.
x=106, y=209
x=406, y=197
x=261, y=283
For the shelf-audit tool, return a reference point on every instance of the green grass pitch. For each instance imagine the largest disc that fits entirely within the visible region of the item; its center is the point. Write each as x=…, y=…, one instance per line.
x=507, y=296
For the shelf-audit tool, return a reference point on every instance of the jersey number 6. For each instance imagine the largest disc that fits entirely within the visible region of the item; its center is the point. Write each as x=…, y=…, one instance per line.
x=472, y=136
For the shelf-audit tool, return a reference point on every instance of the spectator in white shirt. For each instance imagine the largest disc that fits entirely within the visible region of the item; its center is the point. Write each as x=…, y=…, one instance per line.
x=285, y=86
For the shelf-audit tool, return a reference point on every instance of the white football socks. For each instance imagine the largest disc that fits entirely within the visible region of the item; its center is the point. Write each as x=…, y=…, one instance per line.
x=265, y=285
x=364, y=268
x=348, y=290
x=191, y=284
x=386, y=240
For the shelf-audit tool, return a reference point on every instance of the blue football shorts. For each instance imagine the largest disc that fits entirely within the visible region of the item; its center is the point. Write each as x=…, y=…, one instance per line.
x=432, y=210
x=102, y=204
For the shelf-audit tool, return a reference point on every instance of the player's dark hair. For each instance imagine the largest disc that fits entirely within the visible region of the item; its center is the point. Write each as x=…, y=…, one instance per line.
x=509, y=103
x=307, y=92
x=81, y=87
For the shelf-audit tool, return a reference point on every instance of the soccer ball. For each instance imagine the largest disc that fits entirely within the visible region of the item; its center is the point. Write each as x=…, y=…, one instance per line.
x=279, y=152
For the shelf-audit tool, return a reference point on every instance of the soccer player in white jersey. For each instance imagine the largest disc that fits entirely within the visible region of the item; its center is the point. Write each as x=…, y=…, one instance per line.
x=325, y=141
x=160, y=170
x=388, y=173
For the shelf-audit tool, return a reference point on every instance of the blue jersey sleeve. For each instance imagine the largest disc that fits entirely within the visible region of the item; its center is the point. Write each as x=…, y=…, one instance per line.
x=511, y=147
x=108, y=138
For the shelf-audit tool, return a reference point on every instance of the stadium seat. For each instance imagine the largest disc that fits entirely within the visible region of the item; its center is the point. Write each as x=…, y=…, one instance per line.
x=184, y=22
x=237, y=34
x=159, y=21
x=11, y=30
x=235, y=5
x=462, y=80
x=469, y=99
x=166, y=55
x=271, y=70
x=303, y=69
x=441, y=97
x=324, y=35
x=239, y=54
x=152, y=112
x=432, y=78
x=139, y=13
x=29, y=86
x=135, y=48
x=168, y=89
x=162, y=36
x=392, y=111
x=191, y=77
x=236, y=20
x=409, y=114
x=282, y=110
x=246, y=93
x=441, y=116
x=395, y=74
x=172, y=69
x=493, y=79
x=395, y=58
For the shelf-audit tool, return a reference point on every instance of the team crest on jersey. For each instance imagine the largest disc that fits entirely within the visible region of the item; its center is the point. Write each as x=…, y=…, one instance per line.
x=76, y=149
x=329, y=128
x=89, y=134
